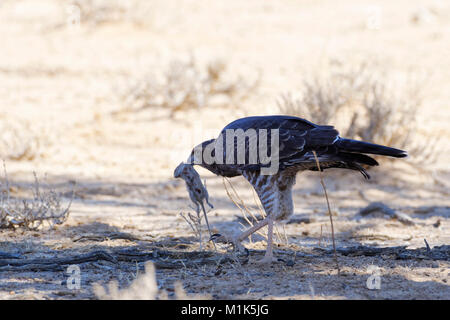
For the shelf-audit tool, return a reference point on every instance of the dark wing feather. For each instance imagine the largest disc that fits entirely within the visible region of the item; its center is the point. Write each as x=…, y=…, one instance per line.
x=299, y=137
x=296, y=137
x=271, y=122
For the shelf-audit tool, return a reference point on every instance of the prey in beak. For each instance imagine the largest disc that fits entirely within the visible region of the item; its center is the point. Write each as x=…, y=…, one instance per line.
x=197, y=191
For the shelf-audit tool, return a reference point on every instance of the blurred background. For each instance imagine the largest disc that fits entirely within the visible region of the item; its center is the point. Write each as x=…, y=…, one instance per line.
x=105, y=87
x=114, y=94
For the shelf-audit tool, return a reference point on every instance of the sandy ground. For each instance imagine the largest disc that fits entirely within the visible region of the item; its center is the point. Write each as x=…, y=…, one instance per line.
x=59, y=85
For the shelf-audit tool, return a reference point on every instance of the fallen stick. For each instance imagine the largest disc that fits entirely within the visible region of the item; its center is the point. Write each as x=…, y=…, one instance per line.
x=399, y=253
x=7, y=255
x=329, y=211
x=34, y=267
x=381, y=207
x=194, y=259
x=106, y=237
x=82, y=258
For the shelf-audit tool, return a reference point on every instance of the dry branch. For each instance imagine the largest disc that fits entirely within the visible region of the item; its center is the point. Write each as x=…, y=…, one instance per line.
x=164, y=259
x=106, y=237
x=53, y=263
x=397, y=253
x=161, y=259
x=381, y=207
x=7, y=255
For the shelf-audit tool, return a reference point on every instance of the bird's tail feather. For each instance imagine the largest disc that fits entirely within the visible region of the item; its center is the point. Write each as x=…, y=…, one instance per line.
x=349, y=145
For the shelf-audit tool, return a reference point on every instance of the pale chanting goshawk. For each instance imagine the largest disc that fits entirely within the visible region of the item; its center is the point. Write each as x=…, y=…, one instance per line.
x=297, y=139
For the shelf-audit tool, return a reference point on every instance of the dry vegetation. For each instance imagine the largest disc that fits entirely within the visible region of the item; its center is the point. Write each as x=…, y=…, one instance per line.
x=96, y=12
x=17, y=141
x=45, y=207
x=365, y=103
x=143, y=287
x=185, y=85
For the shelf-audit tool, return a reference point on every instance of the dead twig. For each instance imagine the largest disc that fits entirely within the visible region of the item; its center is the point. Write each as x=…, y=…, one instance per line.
x=106, y=237
x=53, y=263
x=329, y=210
x=195, y=223
x=397, y=253
x=381, y=207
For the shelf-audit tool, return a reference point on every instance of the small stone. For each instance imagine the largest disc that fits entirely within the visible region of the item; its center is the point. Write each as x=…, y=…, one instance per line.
x=290, y=263
x=437, y=224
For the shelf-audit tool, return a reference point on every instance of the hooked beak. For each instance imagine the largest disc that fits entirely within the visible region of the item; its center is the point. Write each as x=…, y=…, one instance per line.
x=191, y=159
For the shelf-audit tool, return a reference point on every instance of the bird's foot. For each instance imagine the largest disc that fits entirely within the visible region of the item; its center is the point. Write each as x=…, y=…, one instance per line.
x=237, y=246
x=266, y=260
x=220, y=238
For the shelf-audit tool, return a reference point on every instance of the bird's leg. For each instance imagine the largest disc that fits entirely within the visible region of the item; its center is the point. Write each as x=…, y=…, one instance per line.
x=206, y=218
x=207, y=223
x=252, y=230
x=268, y=256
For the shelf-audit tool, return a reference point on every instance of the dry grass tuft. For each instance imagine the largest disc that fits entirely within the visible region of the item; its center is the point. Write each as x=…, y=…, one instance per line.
x=186, y=85
x=96, y=12
x=17, y=142
x=144, y=287
x=195, y=222
x=247, y=213
x=365, y=103
x=31, y=213
x=240, y=204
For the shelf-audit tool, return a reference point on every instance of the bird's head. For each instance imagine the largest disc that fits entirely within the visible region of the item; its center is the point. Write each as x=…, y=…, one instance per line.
x=204, y=155
x=197, y=154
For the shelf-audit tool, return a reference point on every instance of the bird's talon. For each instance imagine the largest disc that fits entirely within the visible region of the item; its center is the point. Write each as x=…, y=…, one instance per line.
x=219, y=238
x=266, y=260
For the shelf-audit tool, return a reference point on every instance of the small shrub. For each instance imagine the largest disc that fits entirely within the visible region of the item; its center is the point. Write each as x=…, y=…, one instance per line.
x=195, y=223
x=363, y=104
x=186, y=85
x=30, y=214
x=17, y=142
x=96, y=12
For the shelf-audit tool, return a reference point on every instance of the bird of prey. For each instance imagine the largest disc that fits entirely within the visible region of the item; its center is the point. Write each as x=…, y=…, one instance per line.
x=298, y=140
